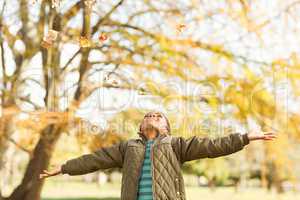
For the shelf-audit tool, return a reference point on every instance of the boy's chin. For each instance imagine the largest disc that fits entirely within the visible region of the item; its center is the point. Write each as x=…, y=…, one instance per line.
x=150, y=127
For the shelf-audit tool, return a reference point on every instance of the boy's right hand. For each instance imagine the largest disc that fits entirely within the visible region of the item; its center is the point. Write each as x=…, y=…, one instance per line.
x=54, y=172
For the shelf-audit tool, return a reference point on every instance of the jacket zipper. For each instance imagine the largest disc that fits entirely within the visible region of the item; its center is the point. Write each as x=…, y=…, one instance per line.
x=152, y=173
x=137, y=185
x=151, y=152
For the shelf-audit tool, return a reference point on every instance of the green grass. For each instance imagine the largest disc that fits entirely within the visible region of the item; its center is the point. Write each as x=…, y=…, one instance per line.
x=77, y=190
x=81, y=198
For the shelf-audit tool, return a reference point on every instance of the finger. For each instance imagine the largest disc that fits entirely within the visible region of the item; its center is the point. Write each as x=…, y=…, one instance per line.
x=273, y=136
x=269, y=133
x=268, y=138
x=48, y=173
x=42, y=176
x=45, y=171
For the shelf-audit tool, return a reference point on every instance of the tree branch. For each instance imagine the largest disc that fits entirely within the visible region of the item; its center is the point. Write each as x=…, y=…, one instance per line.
x=19, y=145
x=86, y=25
x=73, y=11
x=2, y=55
x=106, y=16
x=69, y=61
x=27, y=99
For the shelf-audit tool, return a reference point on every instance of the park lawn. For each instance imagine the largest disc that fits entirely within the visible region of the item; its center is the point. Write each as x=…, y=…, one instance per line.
x=77, y=190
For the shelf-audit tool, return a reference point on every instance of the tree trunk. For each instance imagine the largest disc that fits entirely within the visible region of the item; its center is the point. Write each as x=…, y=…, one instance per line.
x=31, y=186
x=263, y=174
x=212, y=184
x=1, y=197
x=6, y=130
x=278, y=180
x=4, y=135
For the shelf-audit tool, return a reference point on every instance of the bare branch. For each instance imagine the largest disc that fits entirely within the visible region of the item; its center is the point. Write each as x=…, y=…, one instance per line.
x=2, y=55
x=23, y=11
x=116, y=23
x=73, y=11
x=69, y=61
x=19, y=145
x=106, y=16
x=42, y=21
x=28, y=100
x=137, y=14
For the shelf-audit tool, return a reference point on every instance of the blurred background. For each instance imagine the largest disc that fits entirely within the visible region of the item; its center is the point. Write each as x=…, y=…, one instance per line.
x=79, y=75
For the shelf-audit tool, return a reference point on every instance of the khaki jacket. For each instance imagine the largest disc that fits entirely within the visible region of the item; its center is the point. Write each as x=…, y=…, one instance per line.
x=168, y=154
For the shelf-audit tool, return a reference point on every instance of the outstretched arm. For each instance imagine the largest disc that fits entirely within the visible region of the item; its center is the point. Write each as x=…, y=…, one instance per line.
x=197, y=147
x=104, y=158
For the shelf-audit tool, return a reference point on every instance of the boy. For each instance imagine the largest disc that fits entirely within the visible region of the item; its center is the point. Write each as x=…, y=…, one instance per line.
x=151, y=164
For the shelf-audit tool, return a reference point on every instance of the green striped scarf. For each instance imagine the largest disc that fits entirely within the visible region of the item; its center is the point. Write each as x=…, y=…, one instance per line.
x=145, y=181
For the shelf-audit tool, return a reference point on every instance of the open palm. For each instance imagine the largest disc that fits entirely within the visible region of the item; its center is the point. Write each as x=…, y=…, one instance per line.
x=254, y=135
x=53, y=172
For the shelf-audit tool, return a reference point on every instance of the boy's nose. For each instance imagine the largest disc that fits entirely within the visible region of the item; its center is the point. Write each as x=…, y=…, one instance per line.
x=156, y=119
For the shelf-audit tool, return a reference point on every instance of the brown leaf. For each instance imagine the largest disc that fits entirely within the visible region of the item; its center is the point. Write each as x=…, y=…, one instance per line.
x=84, y=42
x=180, y=27
x=89, y=3
x=102, y=37
x=46, y=44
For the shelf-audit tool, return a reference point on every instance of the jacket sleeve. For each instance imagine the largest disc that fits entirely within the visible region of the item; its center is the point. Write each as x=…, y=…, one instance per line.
x=104, y=158
x=197, y=147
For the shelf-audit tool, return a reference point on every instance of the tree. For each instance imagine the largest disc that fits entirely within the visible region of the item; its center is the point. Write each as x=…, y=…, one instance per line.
x=148, y=39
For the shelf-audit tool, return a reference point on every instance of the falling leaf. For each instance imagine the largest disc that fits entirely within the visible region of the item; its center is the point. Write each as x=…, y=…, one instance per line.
x=46, y=44
x=180, y=27
x=89, y=3
x=11, y=110
x=52, y=35
x=142, y=91
x=55, y=3
x=114, y=82
x=84, y=42
x=102, y=37
x=106, y=78
x=49, y=39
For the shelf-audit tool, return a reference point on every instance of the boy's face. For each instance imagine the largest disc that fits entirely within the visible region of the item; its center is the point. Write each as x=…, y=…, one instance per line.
x=154, y=120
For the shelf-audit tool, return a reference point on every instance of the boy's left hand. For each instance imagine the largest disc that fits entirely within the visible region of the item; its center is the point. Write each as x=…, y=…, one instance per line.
x=254, y=135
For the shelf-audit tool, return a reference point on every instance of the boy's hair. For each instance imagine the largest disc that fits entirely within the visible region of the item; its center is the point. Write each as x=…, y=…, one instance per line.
x=164, y=116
